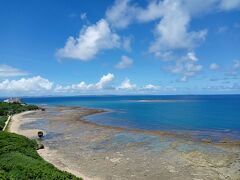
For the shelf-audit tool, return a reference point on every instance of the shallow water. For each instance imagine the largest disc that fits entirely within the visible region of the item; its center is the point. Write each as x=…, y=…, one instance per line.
x=213, y=116
x=109, y=153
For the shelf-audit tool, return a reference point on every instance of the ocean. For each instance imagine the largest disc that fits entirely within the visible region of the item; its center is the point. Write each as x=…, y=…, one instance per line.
x=179, y=113
x=171, y=137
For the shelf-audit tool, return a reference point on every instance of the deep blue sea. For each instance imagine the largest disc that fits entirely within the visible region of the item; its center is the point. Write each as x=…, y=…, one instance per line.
x=194, y=112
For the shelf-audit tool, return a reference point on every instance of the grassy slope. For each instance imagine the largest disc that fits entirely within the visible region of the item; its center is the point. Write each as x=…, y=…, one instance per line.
x=3, y=119
x=19, y=160
x=13, y=108
x=18, y=156
x=10, y=109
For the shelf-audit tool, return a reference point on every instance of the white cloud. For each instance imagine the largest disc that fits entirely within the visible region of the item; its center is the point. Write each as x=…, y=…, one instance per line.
x=82, y=86
x=165, y=56
x=33, y=84
x=125, y=62
x=234, y=69
x=125, y=12
x=186, y=66
x=126, y=85
x=156, y=89
x=229, y=4
x=231, y=87
x=91, y=40
x=172, y=31
x=214, y=66
x=121, y=14
x=83, y=16
x=126, y=44
x=152, y=12
x=150, y=87
x=8, y=71
x=191, y=56
x=103, y=83
x=38, y=86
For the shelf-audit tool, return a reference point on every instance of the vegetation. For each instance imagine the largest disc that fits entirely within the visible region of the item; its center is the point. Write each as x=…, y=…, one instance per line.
x=7, y=109
x=3, y=119
x=13, y=108
x=19, y=160
x=18, y=156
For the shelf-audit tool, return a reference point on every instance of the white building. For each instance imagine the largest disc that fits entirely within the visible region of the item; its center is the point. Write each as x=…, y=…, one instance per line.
x=13, y=100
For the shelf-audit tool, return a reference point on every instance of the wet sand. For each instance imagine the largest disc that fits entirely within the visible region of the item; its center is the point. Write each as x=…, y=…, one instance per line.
x=101, y=152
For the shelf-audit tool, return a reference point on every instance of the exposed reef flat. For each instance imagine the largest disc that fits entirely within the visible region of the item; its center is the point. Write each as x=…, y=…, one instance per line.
x=102, y=152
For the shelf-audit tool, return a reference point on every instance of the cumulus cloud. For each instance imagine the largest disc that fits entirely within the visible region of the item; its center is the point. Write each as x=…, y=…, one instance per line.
x=230, y=87
x=83, y=16
x=126, y=44
x=150, y=87
x=30, y=85
x=233, y=71
x=90, y=41
x=26, y=86
x=8, y=71
x=103, y=83
x=121, y=14
x=126, y=12
x=126, y=85
x=125, y=62
x=186, y=66
x=214, y=66
x=38, y=86
x=152, y=12
x=229, y=4
x=82, y=86
x=156, y=89
x=172, y=31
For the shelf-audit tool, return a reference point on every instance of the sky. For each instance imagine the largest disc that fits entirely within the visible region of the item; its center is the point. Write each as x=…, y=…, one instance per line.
x=93, y=47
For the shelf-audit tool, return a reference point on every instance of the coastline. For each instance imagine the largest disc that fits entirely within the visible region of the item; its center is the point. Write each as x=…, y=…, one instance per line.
x=47, y=154
x=71, y=115
x=15, y=123
x=53, y=158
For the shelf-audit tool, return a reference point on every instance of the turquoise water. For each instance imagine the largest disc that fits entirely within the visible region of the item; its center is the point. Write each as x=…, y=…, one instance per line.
x=207, y=114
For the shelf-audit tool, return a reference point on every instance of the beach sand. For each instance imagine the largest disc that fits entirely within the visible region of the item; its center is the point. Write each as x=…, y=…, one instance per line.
x=101, y=152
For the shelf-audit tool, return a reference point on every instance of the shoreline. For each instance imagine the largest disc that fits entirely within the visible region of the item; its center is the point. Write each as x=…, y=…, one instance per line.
x=50, y=156
x=180, y=134
x=47, y=154
x=14, y=125
x=73, y=114
x=184, y=134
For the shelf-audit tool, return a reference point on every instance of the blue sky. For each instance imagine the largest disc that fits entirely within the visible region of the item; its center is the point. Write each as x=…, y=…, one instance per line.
x=62, y=47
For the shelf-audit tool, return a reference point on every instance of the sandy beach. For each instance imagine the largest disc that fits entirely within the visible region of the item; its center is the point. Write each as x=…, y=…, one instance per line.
x=99, y=152
x=48, y=154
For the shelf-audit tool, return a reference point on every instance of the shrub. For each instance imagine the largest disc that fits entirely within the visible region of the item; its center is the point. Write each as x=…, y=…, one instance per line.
x=19, y=160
